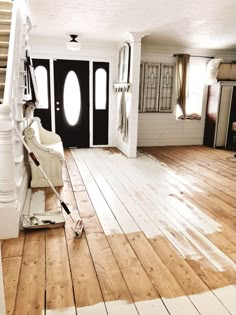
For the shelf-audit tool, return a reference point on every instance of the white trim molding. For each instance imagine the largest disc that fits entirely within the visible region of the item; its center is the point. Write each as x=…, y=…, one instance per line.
x=9, y=222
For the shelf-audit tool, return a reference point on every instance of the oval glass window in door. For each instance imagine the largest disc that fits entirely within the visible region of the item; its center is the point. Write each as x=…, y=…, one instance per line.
x=72, y=98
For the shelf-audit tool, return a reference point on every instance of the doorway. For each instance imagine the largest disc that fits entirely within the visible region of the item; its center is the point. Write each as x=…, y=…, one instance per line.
x=71, y=88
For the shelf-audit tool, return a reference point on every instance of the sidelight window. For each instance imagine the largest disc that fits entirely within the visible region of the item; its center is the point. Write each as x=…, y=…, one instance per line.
x=100, y=89
x=42, y=85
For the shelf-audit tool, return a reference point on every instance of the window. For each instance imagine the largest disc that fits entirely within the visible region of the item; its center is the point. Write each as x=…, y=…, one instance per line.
x=197, y=75
x=124, y=63
x=100, y=89
x=42, y=85
x=156, y=87
x=72, y=98
x=166, y=88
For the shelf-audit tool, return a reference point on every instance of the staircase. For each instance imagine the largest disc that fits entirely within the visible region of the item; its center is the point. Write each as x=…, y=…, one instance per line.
x=14, y=28
x=5, y=25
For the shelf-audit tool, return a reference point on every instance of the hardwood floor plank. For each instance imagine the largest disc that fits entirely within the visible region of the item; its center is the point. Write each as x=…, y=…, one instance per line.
x=31, y=287
x=186, y=168
x=164, y=271
x=159, y=237
x=114, y=289
x=13, y=247
x=171, y=206
x=88, y=296
x=59, y=292
x=191, y=283
x=161, y=222
x=200, y=298
x=11, y=271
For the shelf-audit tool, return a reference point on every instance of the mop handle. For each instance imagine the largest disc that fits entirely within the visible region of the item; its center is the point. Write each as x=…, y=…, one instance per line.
x=37, y=163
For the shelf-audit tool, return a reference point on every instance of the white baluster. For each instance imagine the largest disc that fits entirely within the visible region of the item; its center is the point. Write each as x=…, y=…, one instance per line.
x=9, y=217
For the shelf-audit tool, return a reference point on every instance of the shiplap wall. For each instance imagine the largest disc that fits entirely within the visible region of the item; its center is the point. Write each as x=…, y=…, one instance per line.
x=161, y=129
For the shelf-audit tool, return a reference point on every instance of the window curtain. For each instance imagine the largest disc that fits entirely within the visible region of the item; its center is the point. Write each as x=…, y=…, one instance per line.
x=182, y=71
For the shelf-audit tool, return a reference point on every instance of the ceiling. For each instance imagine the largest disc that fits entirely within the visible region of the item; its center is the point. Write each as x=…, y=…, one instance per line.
x=195, y=24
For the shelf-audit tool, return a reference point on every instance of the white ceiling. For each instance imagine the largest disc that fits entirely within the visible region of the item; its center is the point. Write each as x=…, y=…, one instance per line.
x=195, y=24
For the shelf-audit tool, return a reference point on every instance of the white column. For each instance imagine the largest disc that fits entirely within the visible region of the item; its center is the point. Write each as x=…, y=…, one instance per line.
x=129, y=148
x=9, y=217
x=134, y=79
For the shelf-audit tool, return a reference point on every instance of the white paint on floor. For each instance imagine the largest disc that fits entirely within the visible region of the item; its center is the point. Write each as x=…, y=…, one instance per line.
x=64, y=311
x=152, y=198
x=150, y=307
x=208, y=304
x=98, y=309
x=126, y=181
x=121, y=308
x=227, y=296
x=205, y=303
x=180, y=306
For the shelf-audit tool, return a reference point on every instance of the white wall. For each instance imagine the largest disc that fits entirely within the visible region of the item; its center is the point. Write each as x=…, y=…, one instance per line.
x=153, y=128
x=51, y=48
x=163, y=129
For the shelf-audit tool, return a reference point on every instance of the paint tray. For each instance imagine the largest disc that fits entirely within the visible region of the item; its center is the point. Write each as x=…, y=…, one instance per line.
x=44, y=220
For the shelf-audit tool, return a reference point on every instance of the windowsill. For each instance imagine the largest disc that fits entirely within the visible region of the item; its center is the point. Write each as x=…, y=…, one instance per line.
x=189, y=120
x=190, y=117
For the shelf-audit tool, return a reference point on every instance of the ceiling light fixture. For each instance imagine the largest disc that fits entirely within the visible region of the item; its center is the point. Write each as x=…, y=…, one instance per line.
x=73, y=44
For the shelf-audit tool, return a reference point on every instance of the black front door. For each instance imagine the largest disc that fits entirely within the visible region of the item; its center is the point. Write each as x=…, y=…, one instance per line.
x=71, y=84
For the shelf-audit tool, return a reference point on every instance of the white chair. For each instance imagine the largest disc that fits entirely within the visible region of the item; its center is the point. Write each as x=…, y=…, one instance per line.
x=48, y=149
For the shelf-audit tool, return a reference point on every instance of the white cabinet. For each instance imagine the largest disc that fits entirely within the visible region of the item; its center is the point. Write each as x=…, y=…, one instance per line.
x=220, y=114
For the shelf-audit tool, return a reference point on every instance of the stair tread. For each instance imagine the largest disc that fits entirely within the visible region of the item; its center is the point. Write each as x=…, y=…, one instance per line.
x=3, y=70
x=7, y=2
x=5, y=22
x=5, y=11
x=4, y=32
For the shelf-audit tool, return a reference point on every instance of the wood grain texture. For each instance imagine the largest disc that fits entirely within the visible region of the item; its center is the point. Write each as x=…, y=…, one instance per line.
x=11, y=271
x=31, y=287
x=59, y=293
x=159, y=237
x=13, y=247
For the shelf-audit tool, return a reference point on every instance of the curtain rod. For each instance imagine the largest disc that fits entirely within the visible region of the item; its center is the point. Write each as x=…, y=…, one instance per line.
x=175, y=55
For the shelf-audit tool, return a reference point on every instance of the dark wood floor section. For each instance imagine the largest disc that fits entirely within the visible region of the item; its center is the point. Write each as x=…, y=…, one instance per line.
x=159, y=237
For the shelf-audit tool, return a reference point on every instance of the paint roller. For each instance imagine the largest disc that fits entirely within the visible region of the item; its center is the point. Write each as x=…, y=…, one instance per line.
x=78, y=229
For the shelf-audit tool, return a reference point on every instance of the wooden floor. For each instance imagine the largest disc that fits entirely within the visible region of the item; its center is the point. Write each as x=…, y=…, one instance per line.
x=159, y=238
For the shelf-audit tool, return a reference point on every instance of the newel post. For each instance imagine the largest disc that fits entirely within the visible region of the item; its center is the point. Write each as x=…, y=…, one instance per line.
x=9, y=216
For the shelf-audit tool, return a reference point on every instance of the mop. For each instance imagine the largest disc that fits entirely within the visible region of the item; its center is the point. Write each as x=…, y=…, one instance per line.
x=47, y=221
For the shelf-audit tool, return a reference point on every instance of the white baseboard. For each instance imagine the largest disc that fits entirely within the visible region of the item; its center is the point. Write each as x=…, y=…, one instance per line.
x=168, y=142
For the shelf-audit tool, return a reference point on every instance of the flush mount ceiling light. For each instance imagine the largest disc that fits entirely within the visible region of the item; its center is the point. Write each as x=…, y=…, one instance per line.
x=73, y=44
